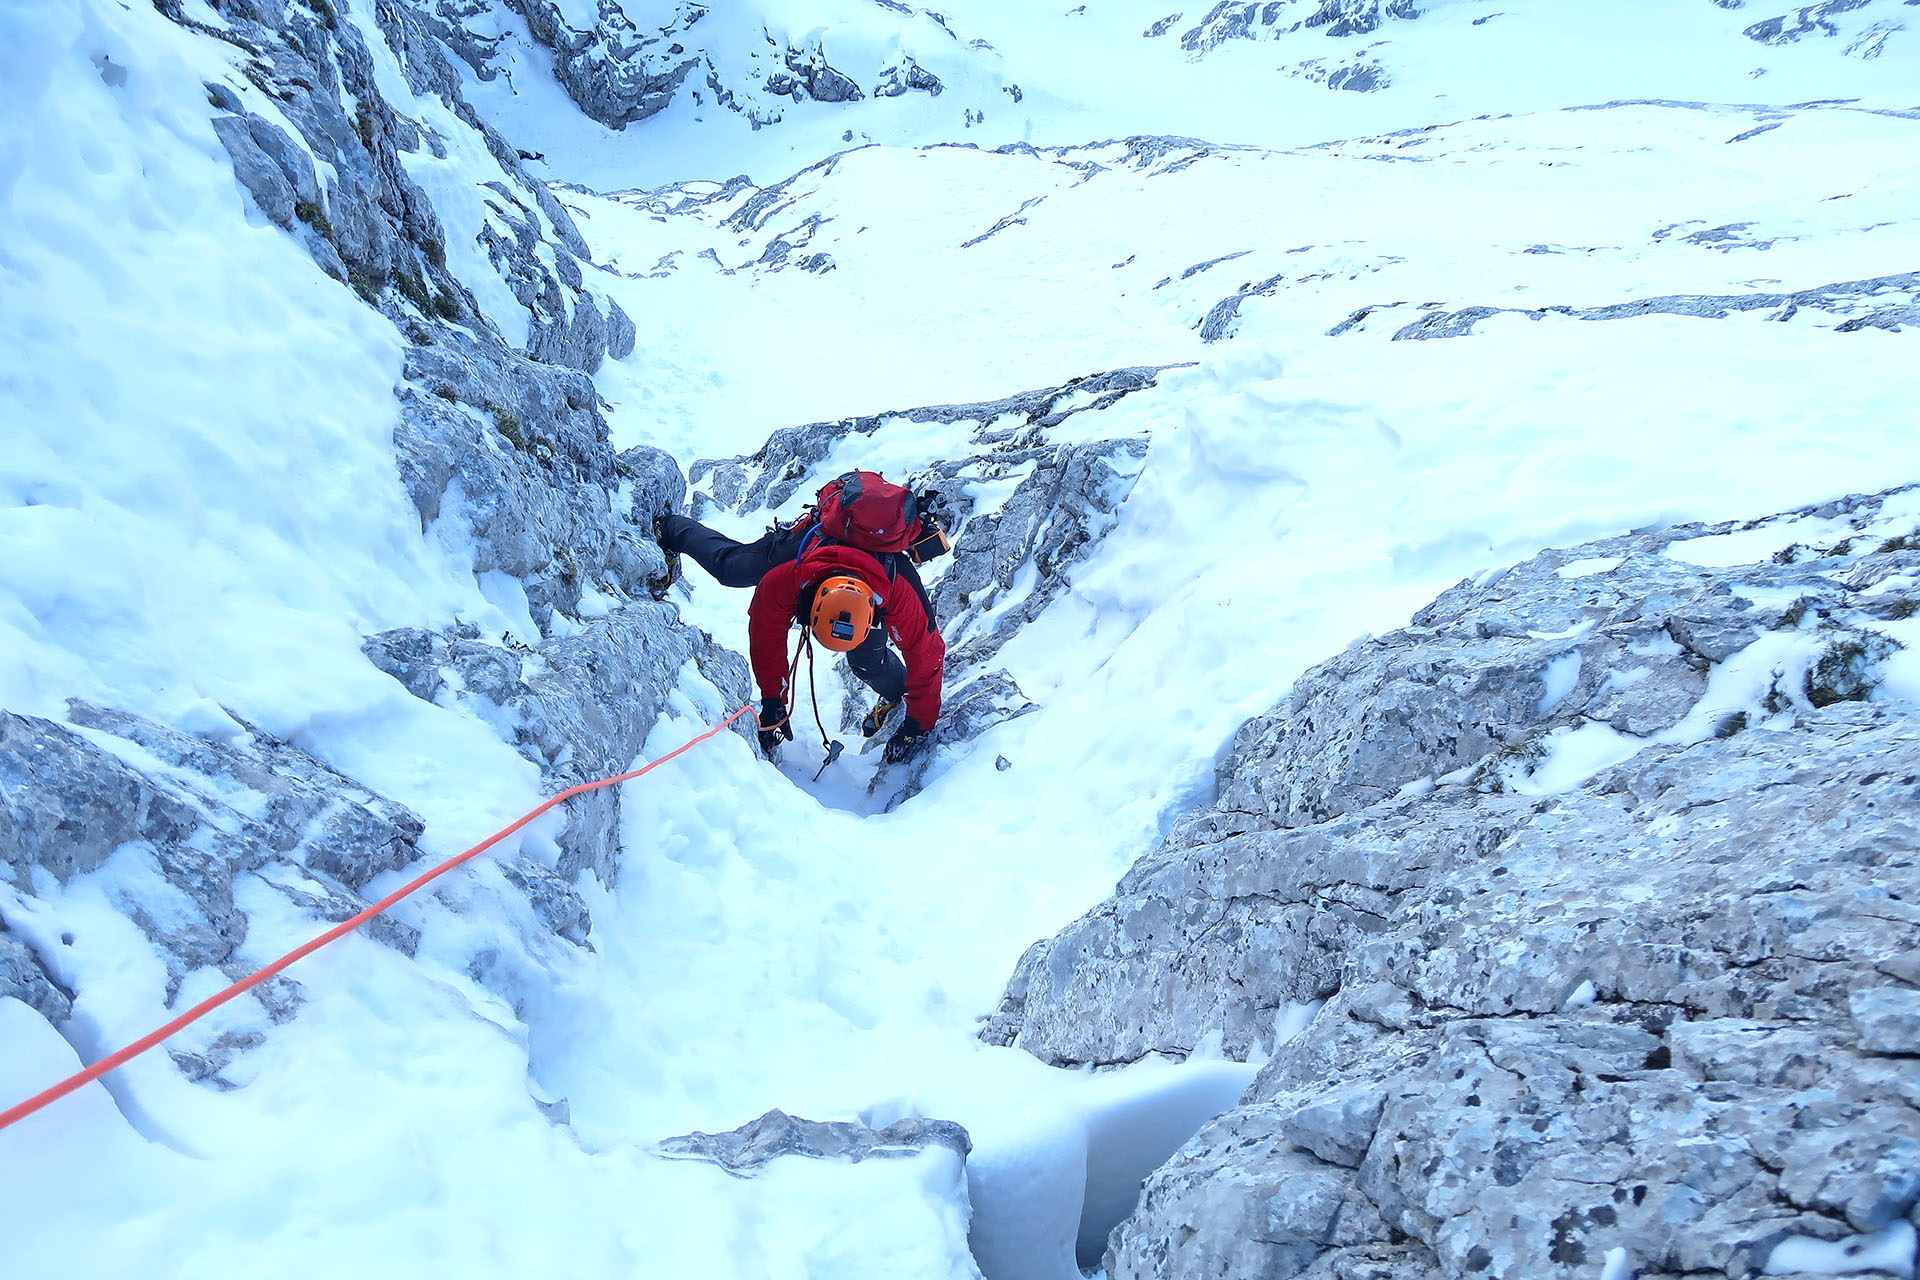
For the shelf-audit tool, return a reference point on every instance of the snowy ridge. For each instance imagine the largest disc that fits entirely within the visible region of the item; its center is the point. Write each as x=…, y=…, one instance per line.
x=1861, y=28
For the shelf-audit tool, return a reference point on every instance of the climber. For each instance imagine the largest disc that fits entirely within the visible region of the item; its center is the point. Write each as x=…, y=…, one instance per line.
x=845, y=570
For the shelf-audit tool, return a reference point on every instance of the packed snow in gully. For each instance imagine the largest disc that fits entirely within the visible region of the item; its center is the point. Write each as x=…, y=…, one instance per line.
x=1313, y=608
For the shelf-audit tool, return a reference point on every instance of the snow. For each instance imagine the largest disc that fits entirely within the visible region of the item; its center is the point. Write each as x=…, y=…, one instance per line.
x=1747, y=546
x=1587, y=568
x=1890, y=1250
x=1559, y=679
x=1571, y=756
x=200, y=518
x=1900, y=673
x=1617, y=1265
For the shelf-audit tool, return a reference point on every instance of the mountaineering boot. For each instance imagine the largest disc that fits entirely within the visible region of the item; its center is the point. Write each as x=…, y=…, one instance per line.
x=658, y=584
x=871, y=723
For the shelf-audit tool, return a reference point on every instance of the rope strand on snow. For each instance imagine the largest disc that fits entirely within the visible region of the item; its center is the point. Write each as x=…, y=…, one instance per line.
x=152, y=1038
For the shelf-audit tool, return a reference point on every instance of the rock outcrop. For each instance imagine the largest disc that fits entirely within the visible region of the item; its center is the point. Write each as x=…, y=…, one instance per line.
x=629, y=62
x=748, y=1149
x=1596, y=889
x=193, y=820
x=506, y=442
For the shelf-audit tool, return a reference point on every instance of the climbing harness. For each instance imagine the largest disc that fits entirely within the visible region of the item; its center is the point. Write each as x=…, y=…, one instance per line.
x=201, y=1010
x=876, y=719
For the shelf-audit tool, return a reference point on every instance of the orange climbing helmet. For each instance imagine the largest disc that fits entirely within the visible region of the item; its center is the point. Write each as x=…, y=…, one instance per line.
x=844, y=609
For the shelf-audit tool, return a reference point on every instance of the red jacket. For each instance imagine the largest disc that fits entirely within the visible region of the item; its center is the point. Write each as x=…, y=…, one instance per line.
x=775, y=606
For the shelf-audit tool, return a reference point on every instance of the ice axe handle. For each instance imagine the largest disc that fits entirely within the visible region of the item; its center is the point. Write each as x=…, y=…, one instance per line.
x=833, y=753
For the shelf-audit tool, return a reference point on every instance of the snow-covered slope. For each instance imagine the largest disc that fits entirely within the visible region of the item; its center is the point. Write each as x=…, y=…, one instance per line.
x=335, y=429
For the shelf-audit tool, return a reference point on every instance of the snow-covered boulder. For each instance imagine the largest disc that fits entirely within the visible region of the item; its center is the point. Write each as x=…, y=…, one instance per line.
x=1574, y=917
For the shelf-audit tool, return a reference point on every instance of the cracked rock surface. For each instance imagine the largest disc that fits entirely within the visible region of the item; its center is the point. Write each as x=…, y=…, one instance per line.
x=1665, y=1002
x=197, y=820
x=750, y=1148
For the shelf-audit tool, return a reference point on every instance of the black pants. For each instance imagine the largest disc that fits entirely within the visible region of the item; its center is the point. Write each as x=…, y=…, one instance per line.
x=732, y=564
x=743, y=564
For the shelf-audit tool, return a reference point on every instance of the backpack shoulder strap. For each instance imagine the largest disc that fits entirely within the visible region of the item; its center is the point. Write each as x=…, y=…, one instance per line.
x=813, y=536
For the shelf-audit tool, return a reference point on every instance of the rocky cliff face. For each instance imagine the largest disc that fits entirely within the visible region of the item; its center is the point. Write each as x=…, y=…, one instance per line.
x=627, y=61
x=1595, y=889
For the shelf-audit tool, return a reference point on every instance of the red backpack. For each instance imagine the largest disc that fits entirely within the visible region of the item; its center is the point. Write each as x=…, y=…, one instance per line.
x=862, y=510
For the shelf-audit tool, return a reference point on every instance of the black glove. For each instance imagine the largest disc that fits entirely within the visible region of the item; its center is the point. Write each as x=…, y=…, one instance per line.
x=907, y=740
x=775, y=724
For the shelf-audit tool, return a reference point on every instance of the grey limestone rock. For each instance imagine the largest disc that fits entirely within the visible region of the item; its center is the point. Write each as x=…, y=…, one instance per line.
x=1887, y=1018
x=1809, y=20
x=330, y=823
x=262, y=178
x=785, y=463
x=65, y=805
x=1235, y=20
x=192, y=817
x=1668, y=1008
x=368, y=224
x=619, y=71
x=557, y=904
x=621, y=333
x=655, y=484
x=747, y=1150
x=1496, y=669
x=907, y=76
x=632, y=62
x=527, y=451
x=24, y=978
x=510, y=444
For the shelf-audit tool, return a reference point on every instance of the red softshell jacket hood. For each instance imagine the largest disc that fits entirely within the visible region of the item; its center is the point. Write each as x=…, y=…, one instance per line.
x=773, y=613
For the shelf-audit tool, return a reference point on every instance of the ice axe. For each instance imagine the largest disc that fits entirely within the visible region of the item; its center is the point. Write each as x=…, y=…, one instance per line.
x=834, y=749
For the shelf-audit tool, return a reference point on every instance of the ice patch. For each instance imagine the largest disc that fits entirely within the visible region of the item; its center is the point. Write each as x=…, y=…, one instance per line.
x=1589, y=567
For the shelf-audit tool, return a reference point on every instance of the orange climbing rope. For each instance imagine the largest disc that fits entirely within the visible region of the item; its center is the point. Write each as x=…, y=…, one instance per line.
x=152, y=1038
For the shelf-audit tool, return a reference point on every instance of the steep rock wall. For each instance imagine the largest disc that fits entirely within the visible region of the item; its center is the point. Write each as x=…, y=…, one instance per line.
x=1594, y=889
